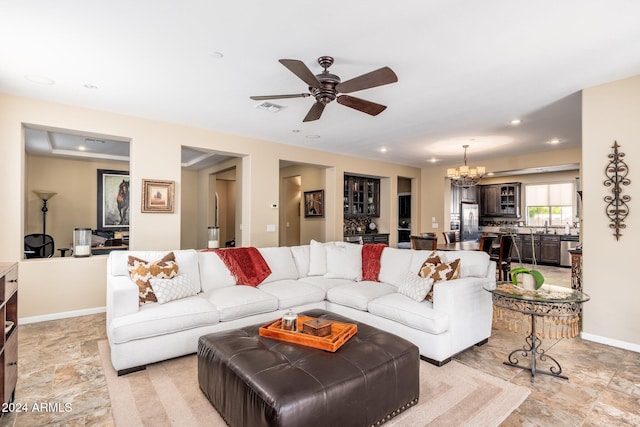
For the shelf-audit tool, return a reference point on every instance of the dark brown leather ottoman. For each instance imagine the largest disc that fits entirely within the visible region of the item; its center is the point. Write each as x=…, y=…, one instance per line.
x=257, y=381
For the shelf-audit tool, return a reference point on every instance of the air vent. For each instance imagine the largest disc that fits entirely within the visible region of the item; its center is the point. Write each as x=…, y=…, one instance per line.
x=93, y=141
x=268, y=106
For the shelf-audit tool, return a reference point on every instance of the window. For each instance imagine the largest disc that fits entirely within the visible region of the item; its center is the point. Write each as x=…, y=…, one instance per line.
x=549, y=204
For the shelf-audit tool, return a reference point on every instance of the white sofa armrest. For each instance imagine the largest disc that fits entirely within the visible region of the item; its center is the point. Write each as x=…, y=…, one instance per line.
x=469, y=307
x=122, y=297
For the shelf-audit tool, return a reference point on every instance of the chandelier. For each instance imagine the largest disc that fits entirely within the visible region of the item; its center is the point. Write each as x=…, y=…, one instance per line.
x=465, y=176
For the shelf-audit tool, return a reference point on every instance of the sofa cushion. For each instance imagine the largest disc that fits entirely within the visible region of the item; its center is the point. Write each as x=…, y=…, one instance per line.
x=291, y=293
x=302, y=257
x=214, y=272
x=318, y=258
x=161, y=319
x=344, y=262
x=404, y=310
x=179, y=287
x=142, y=271
x=325, y=283
x=358, y=295
x=472, y=263
x=281, y=263
x=394, y=266
x=415, y=287
x=235, y=302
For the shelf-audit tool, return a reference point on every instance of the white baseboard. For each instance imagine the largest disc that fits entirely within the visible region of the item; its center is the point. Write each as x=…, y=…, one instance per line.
x=610, y=341
x=63, y=315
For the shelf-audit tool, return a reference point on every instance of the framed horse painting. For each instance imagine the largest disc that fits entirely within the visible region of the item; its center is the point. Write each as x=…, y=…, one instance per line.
x=113, y=200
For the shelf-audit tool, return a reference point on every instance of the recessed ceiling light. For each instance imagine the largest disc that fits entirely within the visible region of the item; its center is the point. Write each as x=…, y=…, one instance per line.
x=383, y=149
x=313, y=136
x=217, y=55
x=516, y=122
x=41, y=80
x=433, y=160
x=554, y=141
x=90, y=86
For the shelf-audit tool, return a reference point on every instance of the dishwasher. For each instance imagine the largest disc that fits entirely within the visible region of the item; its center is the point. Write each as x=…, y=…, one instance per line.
x=567, y=242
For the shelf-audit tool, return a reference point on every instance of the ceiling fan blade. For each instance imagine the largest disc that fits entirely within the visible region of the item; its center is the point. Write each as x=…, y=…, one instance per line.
x=380, y=77
x=315, y=112
x=302, y=71
x=264, y=97
x=363, y=105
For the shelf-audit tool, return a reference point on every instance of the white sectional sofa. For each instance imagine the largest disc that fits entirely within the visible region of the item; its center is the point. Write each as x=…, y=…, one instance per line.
x=302, y=278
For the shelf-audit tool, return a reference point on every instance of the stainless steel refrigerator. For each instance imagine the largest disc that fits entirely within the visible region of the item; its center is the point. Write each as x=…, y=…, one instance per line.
x=469, y=221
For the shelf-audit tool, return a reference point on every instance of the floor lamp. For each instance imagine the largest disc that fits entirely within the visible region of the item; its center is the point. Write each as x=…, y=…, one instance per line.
x=44, y=196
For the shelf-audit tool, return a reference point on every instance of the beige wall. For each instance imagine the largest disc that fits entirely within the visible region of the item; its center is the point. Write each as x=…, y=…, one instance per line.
x=610, y=113
x=155, y=154
x=189, y=207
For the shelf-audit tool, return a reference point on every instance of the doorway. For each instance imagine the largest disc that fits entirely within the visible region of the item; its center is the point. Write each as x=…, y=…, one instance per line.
x=290, y=208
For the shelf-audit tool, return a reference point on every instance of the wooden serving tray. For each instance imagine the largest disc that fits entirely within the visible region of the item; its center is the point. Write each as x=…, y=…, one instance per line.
x=340, y=334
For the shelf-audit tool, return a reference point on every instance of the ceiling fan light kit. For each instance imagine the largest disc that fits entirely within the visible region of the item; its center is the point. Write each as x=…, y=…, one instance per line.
x=464, y=176
x=326, y=87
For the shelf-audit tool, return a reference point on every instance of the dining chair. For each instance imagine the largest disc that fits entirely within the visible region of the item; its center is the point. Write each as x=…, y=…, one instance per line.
x=503, y=257
x=486, y=243
x=425, y=243
x=449, y=236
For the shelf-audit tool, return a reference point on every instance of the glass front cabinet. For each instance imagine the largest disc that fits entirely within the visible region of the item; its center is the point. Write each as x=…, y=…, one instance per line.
x=361, y=196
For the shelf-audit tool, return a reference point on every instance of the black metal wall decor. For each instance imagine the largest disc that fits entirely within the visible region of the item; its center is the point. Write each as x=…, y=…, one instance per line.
x=617, y=209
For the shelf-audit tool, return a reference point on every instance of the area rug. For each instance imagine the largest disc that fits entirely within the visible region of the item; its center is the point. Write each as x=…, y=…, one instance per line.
x=167, y=394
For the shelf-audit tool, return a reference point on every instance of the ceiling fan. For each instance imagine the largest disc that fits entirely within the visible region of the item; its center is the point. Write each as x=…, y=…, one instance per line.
x=325, y=87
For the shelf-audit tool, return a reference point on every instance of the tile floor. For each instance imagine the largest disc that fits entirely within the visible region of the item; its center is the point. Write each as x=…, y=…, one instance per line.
x=60, y=368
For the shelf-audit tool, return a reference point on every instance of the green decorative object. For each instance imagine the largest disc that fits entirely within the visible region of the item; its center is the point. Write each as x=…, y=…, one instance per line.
x=537, y=276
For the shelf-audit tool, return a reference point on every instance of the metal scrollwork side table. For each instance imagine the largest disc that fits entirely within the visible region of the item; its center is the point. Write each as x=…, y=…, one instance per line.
x=552, y=311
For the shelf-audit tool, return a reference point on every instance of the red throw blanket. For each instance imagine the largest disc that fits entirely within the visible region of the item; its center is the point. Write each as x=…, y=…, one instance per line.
x=246, y=264
x=371, y=261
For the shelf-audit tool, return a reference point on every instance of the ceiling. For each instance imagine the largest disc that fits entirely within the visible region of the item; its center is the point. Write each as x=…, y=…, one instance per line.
x=465, y=69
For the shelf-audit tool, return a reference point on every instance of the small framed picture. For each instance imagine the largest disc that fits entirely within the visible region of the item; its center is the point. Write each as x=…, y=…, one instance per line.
x=158, y=196
x=314, y=203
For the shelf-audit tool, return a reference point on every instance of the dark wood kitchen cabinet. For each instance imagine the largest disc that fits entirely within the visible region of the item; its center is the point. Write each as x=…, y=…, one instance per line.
x=361, y=196
x=500, y=200
x=545, y=246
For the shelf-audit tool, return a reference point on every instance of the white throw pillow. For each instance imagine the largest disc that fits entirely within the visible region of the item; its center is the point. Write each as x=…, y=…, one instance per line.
x=301, y=256
x=172, y=289
x=415, y=287
x=394, y=266
x=344, y=262
x=281, y=263
x=318, y=258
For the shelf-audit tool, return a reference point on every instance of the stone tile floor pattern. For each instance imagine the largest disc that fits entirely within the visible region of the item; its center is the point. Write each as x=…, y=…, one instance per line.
x=59, y=365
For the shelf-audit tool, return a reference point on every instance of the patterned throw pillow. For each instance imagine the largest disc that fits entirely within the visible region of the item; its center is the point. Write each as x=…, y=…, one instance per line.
x=415, y=287
x=167, y=290
x=436, y=269
x=142, y=271
x=442, y=271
